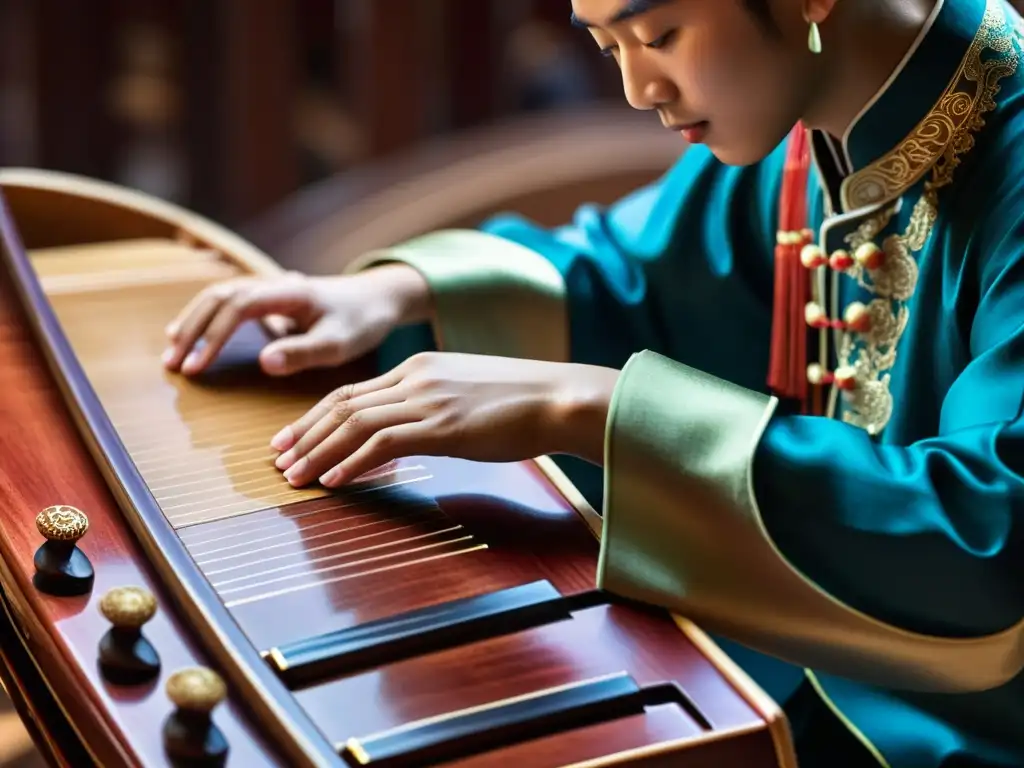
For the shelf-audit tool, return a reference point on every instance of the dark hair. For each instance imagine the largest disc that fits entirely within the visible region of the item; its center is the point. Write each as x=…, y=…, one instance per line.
x=760, y=9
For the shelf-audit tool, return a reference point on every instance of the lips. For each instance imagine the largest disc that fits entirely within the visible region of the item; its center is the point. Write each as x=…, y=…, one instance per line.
x=692, y=132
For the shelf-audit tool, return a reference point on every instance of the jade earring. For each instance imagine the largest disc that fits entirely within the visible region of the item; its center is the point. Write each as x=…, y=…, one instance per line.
x=814, y=38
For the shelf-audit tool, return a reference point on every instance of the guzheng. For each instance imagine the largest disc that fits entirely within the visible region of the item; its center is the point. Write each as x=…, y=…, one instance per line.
x=168, y=599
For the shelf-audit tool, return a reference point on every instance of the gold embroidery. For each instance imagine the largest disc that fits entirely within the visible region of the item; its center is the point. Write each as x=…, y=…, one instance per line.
x=870, y=227
x=871, y=404
x=945, y=131
x=956, y=118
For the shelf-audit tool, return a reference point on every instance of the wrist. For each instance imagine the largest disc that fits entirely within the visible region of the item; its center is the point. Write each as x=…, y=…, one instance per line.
x=578, y=411
x=406, y=290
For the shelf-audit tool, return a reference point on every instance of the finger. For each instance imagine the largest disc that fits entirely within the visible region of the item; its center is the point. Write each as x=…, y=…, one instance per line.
x=400, y=441
x=332, y=416
x=244, y=304
x=193, y=321
x=173, y=329
x=292, y=354
x=360, y=428
x=289, y=435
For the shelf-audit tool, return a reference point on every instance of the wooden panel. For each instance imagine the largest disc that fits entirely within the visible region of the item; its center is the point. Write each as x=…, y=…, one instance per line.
x=72, y=52
x=472, y=49
x=240, y=82
x=660, y=738
x=106, y=267
x=291, y=564
x=317, y=567
x=594, y=642
x=382, y=69
x=42, y=462
x=17, y=84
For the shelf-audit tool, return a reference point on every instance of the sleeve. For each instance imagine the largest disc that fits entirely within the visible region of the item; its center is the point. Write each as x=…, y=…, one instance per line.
x=640, y=273
x=801, y=537
x=682, y=266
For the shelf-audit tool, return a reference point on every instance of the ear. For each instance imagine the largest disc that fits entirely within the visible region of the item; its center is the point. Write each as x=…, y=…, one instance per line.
x=818, y=11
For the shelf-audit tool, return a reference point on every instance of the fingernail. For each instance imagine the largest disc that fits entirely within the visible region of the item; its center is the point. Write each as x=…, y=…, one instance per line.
x=285, y=460
x=330, y=478
x=171, y=329
x=294, y=475
x=191, y=362
x=168, y=355
x=283, y=440
x=273, y=362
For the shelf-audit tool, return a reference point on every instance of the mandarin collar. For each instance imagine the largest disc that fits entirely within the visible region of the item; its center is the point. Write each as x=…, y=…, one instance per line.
x=893, y=142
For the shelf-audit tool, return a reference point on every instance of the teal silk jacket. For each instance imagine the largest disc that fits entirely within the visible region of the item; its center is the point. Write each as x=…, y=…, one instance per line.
x=874, y=551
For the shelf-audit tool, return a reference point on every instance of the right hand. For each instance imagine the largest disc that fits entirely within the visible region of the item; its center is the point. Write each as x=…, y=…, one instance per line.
x=334, y=320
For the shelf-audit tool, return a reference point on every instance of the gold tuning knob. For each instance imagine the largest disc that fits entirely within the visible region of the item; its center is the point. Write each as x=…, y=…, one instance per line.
x=126, y=656
x=128, y=607
x=62, y=523
x=197, y=689
x=190, y=735
x=61, y=567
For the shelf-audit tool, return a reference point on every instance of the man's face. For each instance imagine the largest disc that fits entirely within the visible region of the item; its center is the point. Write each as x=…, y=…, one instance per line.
x=710, y=67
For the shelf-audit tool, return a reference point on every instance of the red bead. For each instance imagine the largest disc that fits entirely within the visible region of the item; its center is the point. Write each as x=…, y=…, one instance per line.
x=846, y=378
x=840, y=261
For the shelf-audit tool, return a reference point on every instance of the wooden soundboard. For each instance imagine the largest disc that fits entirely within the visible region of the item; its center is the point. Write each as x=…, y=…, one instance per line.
x=437, y=612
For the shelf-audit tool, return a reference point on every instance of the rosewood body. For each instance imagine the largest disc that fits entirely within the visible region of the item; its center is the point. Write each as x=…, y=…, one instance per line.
x=177, y=480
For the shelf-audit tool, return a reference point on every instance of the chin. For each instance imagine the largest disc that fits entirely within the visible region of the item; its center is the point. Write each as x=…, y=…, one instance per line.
x=742, y=150
x=738, y=154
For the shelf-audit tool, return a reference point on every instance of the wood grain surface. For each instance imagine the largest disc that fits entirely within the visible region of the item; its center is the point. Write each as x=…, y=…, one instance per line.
x=43, y=462
x=190, y=463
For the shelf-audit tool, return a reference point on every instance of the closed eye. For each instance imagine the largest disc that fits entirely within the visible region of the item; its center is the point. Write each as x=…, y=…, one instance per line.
x=663, y=40
x=660, y=42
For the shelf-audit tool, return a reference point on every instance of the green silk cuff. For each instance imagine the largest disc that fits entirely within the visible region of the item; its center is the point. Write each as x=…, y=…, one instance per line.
x=490, y=295
x=682, y=530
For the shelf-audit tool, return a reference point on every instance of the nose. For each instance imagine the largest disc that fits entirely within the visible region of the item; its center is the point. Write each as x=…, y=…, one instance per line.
x=645, y=86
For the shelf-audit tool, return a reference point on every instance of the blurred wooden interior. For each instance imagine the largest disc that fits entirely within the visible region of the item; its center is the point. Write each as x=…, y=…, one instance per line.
x=318, y=128
x=321, y=127
x=244, y=109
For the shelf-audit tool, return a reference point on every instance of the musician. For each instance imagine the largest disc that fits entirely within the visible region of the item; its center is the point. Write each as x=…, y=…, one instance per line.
x=801, y=391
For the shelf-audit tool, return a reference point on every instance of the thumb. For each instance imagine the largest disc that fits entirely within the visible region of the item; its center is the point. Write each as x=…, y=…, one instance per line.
x=293, y=354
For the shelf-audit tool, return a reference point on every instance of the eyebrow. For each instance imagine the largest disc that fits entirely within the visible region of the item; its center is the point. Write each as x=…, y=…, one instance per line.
x=629, y=10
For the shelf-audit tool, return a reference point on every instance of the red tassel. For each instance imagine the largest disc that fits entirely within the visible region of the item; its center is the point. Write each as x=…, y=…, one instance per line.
x=787, y=372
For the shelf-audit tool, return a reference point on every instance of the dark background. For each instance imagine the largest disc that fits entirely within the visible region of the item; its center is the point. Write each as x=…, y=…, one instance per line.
x=229, y=106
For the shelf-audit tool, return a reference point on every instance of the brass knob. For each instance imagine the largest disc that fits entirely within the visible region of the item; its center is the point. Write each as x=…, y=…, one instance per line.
x=128, y=607
x=62, y=523
x=197, y=689
x=190, y=735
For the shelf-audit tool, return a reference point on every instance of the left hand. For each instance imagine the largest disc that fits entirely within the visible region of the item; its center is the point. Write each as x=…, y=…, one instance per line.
x=475, y=407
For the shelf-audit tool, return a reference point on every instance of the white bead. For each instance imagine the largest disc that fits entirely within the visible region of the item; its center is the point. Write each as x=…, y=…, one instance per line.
x=869, y=256
x=813, y=313
x=812, y=256
x=855, y=315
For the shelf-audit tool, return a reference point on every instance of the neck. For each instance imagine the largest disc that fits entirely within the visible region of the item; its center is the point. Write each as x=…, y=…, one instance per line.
x=863, y=44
